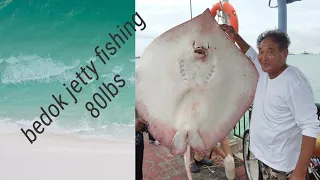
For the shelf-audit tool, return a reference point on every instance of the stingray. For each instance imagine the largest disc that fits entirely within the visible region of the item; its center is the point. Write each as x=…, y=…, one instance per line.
x=193, y=85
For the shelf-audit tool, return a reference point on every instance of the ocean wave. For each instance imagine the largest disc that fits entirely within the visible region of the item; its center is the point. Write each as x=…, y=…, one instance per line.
x=117, y=69
x=112, y=130
x=19, y=69
x=33, y=68
x=5, y=3
x=130, y=78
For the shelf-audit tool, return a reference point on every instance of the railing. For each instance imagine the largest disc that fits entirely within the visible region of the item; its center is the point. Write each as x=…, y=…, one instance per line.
x=244, y=123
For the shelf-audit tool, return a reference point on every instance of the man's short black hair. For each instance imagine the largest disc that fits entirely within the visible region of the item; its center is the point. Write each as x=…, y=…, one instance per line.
x=277, y=36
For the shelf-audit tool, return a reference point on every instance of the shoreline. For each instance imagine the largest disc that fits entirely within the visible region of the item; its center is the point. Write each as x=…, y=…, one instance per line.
x=112, y=132
x=65, y=157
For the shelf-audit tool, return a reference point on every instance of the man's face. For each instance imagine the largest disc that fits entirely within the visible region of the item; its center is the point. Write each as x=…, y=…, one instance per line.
x=271, y=58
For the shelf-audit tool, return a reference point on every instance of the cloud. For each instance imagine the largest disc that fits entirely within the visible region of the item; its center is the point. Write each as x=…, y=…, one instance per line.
x=254, y=18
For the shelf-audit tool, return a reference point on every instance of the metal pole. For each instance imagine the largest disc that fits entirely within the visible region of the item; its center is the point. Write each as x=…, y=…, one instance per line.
x=282, y=15
x=190, y=9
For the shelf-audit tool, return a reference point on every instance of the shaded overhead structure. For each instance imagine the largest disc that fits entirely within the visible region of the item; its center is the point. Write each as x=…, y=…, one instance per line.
x=282, y=13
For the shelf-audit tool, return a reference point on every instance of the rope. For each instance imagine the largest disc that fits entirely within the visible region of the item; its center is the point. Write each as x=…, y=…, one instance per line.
x=223, y=17
x=216, y=165
x=208, y=167
x=220, y=164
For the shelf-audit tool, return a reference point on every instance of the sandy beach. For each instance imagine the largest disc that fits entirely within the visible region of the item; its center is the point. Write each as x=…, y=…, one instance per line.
x=65, y=157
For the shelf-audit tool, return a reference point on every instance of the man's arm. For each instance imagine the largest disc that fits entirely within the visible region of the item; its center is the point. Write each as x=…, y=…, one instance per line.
x=307, y=149
x=302, y=106
x=249, y=52
x=243, y=45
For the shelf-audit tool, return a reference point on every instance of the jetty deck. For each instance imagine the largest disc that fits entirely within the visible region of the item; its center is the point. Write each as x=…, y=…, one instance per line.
x=159, y=164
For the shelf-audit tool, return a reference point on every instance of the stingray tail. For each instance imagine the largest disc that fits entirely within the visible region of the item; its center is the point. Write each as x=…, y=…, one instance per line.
x=187, y=162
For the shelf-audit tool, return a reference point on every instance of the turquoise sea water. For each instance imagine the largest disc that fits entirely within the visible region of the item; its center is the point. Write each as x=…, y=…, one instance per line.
x=309, y=65
x=44, y=43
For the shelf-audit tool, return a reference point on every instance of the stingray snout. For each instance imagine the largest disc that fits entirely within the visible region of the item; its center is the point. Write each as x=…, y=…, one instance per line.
x=200, y=50
x=200, y=53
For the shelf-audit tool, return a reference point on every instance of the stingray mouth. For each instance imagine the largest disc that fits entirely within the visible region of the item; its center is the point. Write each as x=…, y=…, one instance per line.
x=200, y=53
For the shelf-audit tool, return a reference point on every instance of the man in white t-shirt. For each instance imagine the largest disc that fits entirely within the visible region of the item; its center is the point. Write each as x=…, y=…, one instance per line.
x=284, y=124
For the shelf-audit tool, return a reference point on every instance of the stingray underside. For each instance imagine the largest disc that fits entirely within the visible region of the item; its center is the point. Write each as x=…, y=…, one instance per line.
x=193, y=85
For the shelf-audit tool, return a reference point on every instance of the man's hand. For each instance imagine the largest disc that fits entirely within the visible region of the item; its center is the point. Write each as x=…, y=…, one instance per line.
x=229, y=30
x=140, y=123
x=307, y=149
x=294, y=176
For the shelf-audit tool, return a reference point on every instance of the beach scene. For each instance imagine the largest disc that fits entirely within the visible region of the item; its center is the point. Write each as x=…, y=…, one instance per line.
x=53, y=72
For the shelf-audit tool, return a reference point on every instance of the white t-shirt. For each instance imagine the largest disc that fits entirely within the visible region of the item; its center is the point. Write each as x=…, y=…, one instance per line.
x=283, y=111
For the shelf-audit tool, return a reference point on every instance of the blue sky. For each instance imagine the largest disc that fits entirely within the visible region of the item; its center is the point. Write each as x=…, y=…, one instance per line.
x=254, y=16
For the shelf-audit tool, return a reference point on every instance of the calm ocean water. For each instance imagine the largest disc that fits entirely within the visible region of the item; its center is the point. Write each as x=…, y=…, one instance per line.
x=43, y=44
x=309, y=65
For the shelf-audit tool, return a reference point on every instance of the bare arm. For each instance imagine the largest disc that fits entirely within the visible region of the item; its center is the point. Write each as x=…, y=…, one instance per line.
x=307, y=149
x=244, y=46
